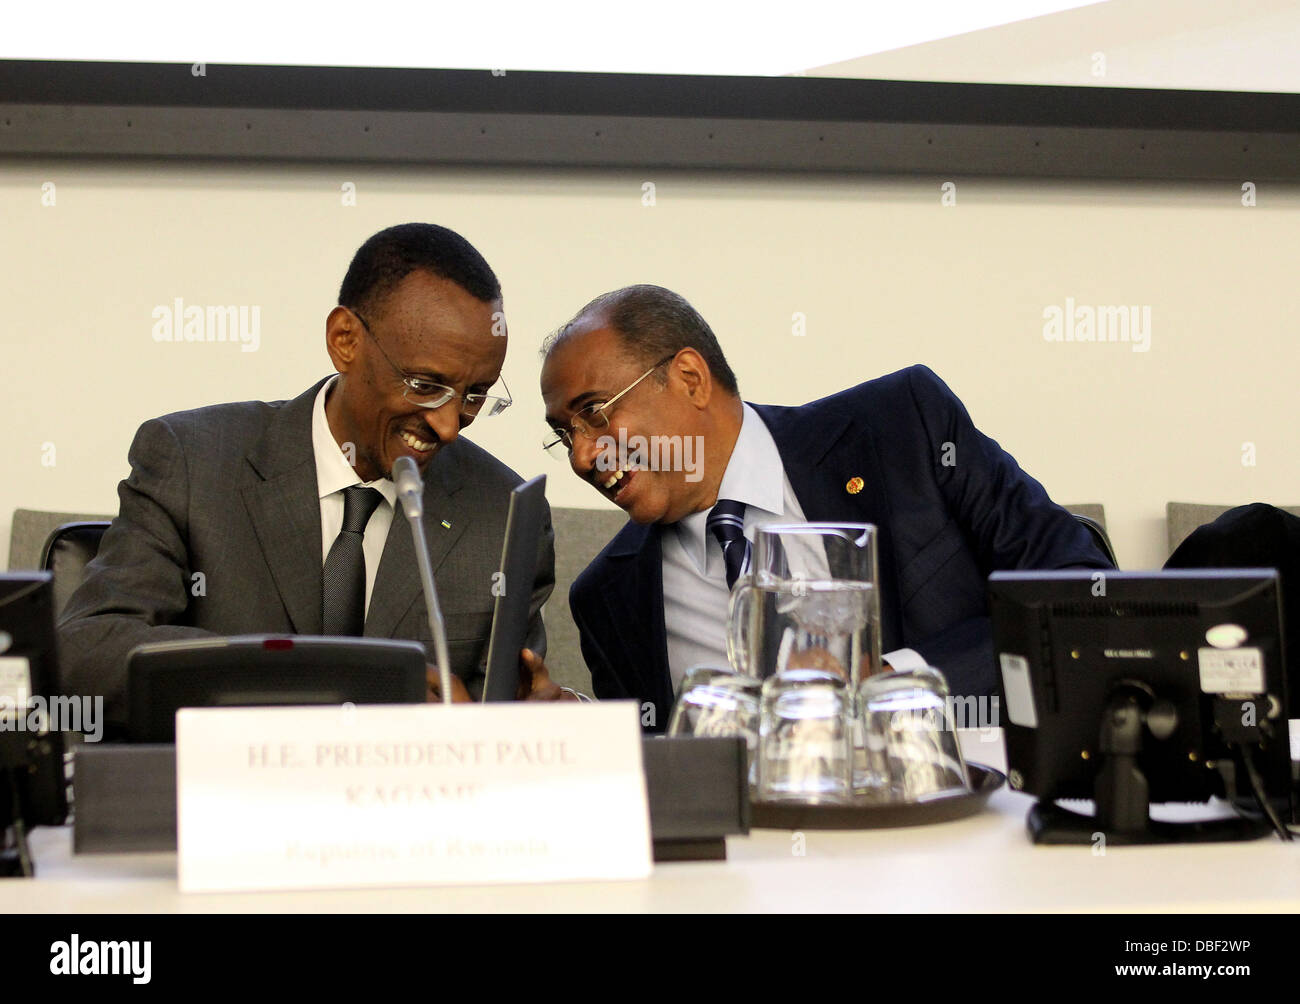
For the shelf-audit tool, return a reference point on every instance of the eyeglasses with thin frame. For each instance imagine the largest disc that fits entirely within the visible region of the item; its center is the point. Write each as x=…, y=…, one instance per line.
x=428, y=394
x=592, y=419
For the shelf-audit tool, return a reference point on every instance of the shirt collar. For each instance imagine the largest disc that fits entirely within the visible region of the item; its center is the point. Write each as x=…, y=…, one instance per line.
x=333, y=472
x=754, y=476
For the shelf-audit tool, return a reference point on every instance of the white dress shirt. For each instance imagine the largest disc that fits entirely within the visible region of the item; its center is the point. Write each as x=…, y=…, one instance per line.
x=694, y=573
x=333, y=474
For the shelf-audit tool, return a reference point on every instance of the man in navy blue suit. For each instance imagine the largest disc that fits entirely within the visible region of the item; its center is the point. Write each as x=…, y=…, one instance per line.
x=899, y=451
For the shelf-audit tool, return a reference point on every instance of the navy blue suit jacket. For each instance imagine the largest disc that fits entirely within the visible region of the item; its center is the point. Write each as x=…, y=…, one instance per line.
x=950, y=504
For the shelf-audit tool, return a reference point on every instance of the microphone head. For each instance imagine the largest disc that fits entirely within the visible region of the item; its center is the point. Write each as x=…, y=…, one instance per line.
x=410, y=486
x=406, y=475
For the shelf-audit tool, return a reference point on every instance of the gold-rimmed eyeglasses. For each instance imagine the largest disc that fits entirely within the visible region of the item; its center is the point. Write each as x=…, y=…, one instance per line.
x=591, y=420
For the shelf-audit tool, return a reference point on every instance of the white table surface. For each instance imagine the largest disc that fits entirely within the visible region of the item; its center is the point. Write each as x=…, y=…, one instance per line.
x=982, y=863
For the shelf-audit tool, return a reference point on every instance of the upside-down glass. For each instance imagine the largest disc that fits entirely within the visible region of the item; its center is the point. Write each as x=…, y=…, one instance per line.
x=809, y=602
x=718, y=702
x=805, y=747
x=910, y=737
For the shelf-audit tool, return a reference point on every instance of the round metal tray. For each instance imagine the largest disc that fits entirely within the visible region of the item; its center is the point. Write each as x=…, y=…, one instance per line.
x=873, y=815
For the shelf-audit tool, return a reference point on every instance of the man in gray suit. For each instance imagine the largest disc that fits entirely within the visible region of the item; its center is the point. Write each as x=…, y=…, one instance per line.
x=280, y=517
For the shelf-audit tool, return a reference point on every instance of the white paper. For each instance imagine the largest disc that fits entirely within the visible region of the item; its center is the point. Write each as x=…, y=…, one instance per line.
x=15, y=681
x=1231, y=671
x=1018, y=689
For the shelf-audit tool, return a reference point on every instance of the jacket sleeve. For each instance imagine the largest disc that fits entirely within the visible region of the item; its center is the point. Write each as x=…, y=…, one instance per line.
x=605, y=683
x=137, y=588
x=965, y=652
x=1005, y=515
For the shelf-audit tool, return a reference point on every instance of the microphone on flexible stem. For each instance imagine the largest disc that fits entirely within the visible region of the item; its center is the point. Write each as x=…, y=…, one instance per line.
x=410, y=493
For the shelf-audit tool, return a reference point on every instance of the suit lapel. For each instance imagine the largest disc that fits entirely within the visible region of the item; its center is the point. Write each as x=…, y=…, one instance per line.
x=284, y=507
x=397, y=582
x=634, y=600
x=820, y=463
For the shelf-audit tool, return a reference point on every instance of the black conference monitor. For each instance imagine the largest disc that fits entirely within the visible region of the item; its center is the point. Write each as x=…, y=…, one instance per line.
x=1129, y=688
x=515, y=596
x=265, y=670
x=33, y=791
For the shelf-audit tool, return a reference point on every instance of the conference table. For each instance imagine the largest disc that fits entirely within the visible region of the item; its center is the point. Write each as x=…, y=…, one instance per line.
x=984, y=862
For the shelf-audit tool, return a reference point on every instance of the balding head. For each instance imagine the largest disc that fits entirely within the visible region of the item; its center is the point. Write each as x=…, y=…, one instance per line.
x=651, y=322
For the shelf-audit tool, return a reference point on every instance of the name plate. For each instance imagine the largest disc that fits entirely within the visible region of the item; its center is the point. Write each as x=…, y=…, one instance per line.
x=334, y=797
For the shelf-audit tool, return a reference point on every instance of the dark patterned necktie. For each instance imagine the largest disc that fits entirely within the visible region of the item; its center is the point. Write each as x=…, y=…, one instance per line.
x=344, y=591
x=727, y=523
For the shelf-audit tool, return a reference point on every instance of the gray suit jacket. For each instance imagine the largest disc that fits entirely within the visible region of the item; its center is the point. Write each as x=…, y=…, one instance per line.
x=218, y=532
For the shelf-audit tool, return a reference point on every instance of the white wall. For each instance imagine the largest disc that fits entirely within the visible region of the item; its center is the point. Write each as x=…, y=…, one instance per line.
x=1204, y=45
x=885, y=275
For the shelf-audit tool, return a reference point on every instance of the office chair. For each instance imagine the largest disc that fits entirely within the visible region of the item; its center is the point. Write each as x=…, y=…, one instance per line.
x=1099, y=536
x=68, y=550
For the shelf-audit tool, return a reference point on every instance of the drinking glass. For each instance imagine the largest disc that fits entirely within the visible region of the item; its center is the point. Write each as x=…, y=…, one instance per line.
x=718, y=702
x=805, y=751
x=909, y=737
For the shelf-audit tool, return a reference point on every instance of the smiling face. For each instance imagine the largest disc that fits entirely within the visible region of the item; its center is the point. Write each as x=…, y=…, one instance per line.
x=430, y=328
x=591, y=365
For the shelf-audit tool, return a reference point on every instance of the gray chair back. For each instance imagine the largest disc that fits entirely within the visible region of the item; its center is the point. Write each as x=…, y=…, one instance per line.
x=579, y=536
x=1093, y=510
x=1093, y=516
x=32, y=528
x=68, y=551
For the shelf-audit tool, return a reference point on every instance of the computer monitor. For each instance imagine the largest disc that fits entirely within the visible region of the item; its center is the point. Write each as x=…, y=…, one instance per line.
x=262, y=670
x=33, y=789
x=518, y=564
x=1130, y=688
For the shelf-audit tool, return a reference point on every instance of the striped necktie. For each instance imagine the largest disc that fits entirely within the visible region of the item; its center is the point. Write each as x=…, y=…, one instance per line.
x=727, y=524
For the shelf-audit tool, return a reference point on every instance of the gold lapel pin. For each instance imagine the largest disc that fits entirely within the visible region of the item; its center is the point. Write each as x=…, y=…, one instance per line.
x=446, y=524
x=854, y=486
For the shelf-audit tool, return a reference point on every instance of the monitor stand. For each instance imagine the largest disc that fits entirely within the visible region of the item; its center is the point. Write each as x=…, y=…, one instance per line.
x=1049, y=823
x=15, y=857
x=1122, y=794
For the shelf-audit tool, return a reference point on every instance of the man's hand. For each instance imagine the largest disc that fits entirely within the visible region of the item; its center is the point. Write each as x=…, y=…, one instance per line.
x=459, y=695
x=535, y=683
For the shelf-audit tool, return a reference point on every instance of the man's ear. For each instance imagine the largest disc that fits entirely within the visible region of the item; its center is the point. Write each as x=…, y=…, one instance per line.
x=690, y=368
x=342, y=338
